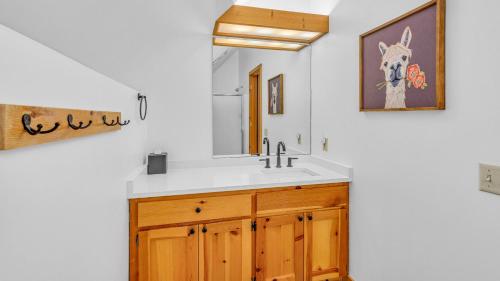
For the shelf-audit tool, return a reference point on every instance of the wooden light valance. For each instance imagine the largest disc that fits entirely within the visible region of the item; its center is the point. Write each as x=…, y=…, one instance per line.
x=292, y=29
x=30, y=125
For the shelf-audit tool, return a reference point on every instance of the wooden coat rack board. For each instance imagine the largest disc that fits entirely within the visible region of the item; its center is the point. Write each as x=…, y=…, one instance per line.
x=30, y=125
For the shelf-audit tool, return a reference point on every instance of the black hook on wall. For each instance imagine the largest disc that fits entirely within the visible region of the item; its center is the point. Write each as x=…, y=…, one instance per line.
x=114, y=123
x=142, y=98
x=26, y=119
x=80, y=124
x=126, y=122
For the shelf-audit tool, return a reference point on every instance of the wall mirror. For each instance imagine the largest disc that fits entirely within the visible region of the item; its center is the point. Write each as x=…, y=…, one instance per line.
x=259, y=93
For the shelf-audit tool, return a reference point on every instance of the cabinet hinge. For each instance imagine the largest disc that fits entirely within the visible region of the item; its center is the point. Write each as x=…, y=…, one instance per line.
x=254, y=226
x=254, y=278
x=137, y=240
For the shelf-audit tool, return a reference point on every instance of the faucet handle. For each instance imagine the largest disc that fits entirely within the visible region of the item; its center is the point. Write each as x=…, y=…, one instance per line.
x=268, y=162
x=290, y=159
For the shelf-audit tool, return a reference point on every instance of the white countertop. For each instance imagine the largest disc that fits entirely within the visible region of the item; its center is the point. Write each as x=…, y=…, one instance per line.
x=232, y=174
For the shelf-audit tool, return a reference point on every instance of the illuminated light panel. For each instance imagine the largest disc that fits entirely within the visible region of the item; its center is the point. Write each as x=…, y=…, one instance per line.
x=247, y=30
x=252, y=43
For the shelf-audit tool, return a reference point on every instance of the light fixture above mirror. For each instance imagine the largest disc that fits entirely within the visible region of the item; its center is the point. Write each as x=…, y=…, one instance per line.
x=242, y=26
x=257, y=43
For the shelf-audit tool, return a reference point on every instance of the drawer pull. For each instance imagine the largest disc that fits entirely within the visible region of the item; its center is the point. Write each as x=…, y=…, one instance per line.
x=198, y=210
x=191, y=232
x=300, y=218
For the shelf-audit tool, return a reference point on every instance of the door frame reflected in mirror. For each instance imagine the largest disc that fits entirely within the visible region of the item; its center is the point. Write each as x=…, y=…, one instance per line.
x=255, y=111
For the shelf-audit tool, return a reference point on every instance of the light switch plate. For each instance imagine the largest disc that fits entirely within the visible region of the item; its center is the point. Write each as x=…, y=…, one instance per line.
x=489, y=178
x=324, y=143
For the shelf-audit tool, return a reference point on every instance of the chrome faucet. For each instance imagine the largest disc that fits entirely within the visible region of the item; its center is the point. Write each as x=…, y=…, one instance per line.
x=278, y=153
x=266, y=142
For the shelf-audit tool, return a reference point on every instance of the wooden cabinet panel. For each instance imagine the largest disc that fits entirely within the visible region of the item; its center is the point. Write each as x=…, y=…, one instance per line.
x=226, y=251
x=169, y=254
x=301, y=235
x=193, y=210
x=277, y=202
x=280, y=248
x=326, y=233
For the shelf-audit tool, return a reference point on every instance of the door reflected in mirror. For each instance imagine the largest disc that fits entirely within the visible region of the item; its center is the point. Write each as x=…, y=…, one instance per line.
x=259, y=94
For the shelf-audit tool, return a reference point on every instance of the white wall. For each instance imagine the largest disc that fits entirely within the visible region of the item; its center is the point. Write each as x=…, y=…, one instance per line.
x=161, y=47
x=416, y=211
x=226, y=110
x=295, y=66
x=63, y=205
x=226, y=79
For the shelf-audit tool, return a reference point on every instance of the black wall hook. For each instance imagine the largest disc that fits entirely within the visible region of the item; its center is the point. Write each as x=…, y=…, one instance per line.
x=113, y=122
x=142, y=98
x=80, y=124
x=126, y=122
x=26, y=119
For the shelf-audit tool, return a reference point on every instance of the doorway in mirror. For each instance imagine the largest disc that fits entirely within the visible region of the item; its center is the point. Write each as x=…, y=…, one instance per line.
x=255, y=111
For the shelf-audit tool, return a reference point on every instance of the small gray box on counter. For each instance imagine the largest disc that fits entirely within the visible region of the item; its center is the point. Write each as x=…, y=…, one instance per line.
x=157, y=163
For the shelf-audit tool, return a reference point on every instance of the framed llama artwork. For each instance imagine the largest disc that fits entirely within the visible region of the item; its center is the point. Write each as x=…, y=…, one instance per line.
x=402, y=62
x=275, y=95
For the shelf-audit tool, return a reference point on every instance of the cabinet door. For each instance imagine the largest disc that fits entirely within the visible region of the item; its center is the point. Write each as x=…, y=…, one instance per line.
x=226, y=251
x=326, y=233
x=169, y=254
x=280, y=248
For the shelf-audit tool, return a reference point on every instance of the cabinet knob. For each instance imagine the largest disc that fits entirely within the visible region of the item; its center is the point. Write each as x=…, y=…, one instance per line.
x=310, y=217
x=300, y=218
x=191, y=232
x=198, y=210
x=204, y=229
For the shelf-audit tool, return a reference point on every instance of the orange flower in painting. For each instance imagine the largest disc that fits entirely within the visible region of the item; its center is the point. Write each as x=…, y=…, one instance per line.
x=419, y=81
x=413, y=72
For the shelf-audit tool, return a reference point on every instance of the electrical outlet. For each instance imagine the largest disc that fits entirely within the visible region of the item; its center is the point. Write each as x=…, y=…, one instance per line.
x=324, y=143
x=489, y=178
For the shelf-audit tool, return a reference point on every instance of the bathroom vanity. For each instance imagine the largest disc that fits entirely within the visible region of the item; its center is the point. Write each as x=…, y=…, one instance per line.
x=240, y=222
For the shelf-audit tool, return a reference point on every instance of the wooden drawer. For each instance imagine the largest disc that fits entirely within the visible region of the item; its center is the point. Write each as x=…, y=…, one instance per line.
x=277, y=202
x=193, y=210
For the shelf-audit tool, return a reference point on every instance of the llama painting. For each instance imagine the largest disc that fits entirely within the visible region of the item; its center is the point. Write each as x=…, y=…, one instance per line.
x=402, y=62
x=274, y=98
x=275, y=93
x=394, y=64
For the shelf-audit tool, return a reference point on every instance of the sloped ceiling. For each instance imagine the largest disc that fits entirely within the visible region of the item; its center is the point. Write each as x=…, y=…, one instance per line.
x=127, y=40
x=132, y=41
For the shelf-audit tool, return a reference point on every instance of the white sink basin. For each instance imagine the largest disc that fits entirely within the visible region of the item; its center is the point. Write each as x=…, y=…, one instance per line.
x=289, y=172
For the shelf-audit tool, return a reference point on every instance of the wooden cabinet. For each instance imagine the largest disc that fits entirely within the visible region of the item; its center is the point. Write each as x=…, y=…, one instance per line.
x=169, y=254
x=209, y=252
x=275, y=234
x=226, y=251
x=280, y=248
x=326, y=233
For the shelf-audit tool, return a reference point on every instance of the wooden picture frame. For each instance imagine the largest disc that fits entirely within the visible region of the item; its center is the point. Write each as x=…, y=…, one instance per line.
x=275, y=87
x=420, y=91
